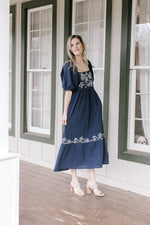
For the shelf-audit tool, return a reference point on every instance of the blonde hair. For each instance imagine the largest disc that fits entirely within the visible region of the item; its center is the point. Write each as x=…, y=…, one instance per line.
x=70, y=53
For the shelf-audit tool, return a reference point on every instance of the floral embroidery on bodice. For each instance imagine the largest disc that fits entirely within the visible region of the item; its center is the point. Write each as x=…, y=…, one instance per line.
x=85, y=79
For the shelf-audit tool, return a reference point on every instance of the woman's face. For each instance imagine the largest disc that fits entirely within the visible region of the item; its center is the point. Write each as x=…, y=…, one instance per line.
x=76, y=47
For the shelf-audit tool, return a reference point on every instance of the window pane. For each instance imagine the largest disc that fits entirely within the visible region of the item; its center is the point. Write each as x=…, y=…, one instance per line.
x=142, y=53
x=40, y=39
x=143, y=6
x=143, y=81
x=36, y=99
x=96, y=31
x=142, y=19
x=83, y=31
x=46, y=120
x=46, y=81
x=142, y=30
x=142, y=132
x=34, y=40
x=97, y=10
x=36, y=80
x=46, y=102
x=40, y=104
x=46, y=87
x=142, y=106
x=36, y=118
x=35, y=21
x=82, y=11
x=35, y=59
x=45, y=59
x=46, y=41
x=96, y=53
x=142, y=34
x=96, y=40
x=141, y=111
x=46, y=21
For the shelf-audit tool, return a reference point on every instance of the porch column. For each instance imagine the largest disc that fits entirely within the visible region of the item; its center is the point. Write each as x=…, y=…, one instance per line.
x=4, y=75
x=9, y=162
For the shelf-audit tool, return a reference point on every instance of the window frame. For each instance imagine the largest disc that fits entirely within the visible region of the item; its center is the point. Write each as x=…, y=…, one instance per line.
x=32, y=128
x=23, y=118
x=68, y=32
x=13, y=12
x=123, y=151
x=133, y=94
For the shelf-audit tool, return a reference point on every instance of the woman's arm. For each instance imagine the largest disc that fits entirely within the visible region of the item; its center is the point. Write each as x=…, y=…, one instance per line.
x=67, y=98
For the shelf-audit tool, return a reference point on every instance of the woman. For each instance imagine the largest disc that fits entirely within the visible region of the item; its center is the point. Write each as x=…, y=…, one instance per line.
x=83, y=143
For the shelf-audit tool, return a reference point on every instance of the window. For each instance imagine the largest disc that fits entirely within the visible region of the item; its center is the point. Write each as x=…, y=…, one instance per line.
x=92, y=20
x=140, y=77
x=134, y=114
x=89, y=20
x=39, y=70
x=12, y=46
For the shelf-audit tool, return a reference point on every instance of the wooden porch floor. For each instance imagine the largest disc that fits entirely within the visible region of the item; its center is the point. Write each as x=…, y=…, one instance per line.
x=45, y=199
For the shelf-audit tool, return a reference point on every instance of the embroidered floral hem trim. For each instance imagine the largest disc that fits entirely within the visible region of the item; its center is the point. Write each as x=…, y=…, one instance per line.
x=65, y=141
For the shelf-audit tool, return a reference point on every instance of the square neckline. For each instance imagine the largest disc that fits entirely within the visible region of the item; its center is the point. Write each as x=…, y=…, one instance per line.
x=84, y=71
x=87, y=70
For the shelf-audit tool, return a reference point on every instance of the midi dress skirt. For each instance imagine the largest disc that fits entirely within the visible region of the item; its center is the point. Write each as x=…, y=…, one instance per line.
x=83, y=143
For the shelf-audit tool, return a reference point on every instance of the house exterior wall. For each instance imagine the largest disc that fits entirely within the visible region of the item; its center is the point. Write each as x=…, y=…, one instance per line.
x=119, y=173
x=9, y=162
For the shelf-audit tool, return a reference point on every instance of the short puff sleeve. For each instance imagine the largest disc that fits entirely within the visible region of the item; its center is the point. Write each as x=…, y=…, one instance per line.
x=69, y=78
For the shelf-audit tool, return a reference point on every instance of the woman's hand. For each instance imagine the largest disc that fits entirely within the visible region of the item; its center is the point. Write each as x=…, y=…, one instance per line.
x=64, y=119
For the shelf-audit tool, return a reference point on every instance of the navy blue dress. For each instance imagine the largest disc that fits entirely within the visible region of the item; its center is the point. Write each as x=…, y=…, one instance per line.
x=83, y=144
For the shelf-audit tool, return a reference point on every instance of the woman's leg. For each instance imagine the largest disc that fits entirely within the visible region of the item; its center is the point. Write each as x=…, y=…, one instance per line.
x=91, y=184
x=74, y=176
x=75, y=185
x=92, y=176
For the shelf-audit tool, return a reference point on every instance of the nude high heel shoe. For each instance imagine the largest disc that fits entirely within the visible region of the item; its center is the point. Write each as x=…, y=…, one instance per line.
x=75, y=187
x=94, y=188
